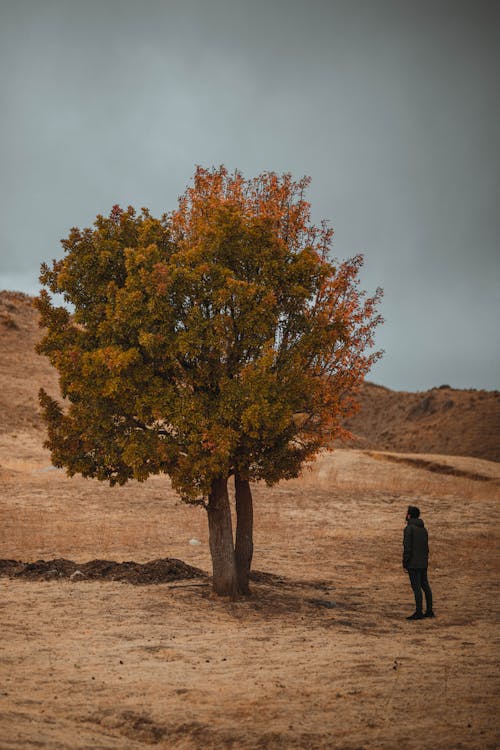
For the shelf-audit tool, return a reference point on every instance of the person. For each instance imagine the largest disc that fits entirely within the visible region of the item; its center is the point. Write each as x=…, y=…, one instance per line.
x=415, y=561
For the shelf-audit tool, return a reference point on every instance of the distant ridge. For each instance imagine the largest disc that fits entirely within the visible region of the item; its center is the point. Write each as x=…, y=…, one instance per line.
x=443, y=420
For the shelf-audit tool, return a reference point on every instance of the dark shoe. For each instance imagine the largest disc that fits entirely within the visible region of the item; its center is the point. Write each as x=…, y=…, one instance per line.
x=416, y=616
x=429, y=614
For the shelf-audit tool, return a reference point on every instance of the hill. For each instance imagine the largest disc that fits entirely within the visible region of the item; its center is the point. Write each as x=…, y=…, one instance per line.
x=22, y=371
x=440, y=421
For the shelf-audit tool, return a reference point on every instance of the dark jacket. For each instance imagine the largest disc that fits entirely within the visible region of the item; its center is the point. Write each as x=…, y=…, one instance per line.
x=415, y=544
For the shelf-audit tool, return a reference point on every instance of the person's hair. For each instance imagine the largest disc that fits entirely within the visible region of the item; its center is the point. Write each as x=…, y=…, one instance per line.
x=413, y=511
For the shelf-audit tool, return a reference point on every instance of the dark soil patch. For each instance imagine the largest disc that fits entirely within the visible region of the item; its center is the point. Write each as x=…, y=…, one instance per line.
x=156, y=571
x=421, y=463
x=258, y=576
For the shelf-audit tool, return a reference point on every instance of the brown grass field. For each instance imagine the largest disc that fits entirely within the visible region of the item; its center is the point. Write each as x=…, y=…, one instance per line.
x=107, y=664
x=320, y=656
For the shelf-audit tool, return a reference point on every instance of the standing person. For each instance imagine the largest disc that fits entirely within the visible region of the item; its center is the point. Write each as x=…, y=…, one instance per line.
x=415, y=561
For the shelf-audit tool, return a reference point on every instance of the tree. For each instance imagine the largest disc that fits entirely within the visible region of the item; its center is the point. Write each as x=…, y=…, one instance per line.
x=219, y=340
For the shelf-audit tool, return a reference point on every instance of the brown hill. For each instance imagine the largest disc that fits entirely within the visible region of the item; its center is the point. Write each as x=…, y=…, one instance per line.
x=443, y=420
x=22, y=371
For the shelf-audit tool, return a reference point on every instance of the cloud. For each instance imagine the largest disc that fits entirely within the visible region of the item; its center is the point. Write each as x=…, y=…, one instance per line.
x=391, y=107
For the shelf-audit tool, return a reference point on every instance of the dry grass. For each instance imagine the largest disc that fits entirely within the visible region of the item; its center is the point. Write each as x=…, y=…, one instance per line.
x=111, y=666
x=87, y=524
x=369, y=471
x=56, y=517
x=107, y=665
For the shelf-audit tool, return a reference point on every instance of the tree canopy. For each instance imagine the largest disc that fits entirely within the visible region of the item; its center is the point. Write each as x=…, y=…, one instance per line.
x=220, y=339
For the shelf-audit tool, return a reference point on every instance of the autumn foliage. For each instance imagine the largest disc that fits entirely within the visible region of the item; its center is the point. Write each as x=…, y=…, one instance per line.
x=219, y=340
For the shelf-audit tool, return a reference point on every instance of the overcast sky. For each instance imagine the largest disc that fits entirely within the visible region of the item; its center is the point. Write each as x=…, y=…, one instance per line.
x=391, y=106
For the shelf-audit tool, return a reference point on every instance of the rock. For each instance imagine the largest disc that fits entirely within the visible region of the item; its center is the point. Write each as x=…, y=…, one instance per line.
x=77, y=576
x=194, y=542
x=52, y=573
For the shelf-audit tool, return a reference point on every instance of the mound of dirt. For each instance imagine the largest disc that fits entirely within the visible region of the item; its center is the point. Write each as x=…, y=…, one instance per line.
x=156, y=571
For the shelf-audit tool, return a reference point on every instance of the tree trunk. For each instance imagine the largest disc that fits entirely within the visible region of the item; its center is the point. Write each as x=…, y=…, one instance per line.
x=244, y=532
x=220, y=532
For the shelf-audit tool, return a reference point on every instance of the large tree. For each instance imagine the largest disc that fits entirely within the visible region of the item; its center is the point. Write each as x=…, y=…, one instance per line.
x=220, y=340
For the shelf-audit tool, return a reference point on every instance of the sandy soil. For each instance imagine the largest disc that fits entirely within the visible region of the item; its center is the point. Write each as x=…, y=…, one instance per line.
x=321, y=656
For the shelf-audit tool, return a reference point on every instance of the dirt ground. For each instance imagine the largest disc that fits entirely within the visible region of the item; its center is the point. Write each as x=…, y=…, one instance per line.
x=321, y=655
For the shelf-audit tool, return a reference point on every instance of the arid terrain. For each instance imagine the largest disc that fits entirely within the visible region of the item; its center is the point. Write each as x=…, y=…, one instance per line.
x=443, y=420
x=320, y=656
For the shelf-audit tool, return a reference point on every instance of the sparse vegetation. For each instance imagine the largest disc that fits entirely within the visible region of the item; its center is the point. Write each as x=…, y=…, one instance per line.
x=8, y=321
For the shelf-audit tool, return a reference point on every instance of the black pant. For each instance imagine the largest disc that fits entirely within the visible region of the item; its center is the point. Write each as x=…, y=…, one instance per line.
x=419, y=583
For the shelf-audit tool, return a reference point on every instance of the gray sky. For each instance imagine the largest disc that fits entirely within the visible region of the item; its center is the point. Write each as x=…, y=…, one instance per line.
x=391, y=106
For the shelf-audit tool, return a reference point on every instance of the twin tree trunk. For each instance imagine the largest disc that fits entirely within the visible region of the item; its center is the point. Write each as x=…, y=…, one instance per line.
x=243, y=549
x=231, y=561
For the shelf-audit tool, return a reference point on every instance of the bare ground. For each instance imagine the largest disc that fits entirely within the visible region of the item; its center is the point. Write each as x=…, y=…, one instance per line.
x=321, y=656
